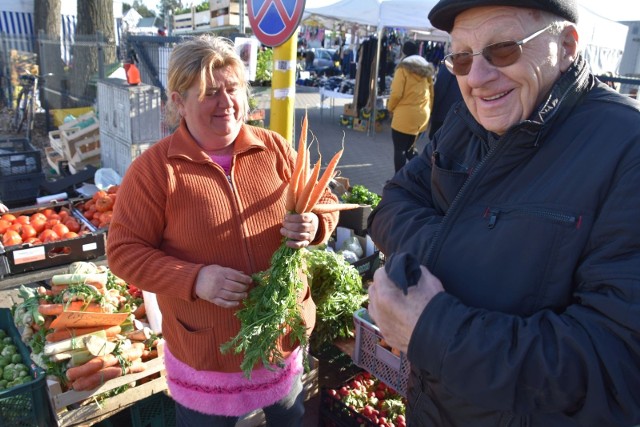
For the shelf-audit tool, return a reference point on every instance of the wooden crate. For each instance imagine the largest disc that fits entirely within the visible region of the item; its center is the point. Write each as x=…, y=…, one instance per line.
x=54, y=158
x=74, y=408
x=82, y=134
x=55, y=142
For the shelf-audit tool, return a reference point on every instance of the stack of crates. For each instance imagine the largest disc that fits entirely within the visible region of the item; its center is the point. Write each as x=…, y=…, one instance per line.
x=130, y=121
x=20, y=172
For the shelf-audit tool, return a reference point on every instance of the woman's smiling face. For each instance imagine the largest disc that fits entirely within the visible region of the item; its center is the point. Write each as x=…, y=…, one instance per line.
x=500, y=97
x=215, y=120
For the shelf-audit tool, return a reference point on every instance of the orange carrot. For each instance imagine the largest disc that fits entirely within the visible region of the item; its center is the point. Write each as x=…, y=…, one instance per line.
x=297, y=169
x=320, y=188
x=303, y=199
x=140, y=311
x=324, y=208
x=96, y=379
x=100, y=362
x=149, y=354
x=66, y=333
x=58, y=289
x=92, y=366
x=57, y=309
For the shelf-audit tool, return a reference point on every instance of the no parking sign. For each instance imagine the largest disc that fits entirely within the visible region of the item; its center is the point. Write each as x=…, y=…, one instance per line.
x=274, y=21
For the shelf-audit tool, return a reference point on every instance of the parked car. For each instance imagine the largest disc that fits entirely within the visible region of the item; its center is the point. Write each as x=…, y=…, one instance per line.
x=323, y=61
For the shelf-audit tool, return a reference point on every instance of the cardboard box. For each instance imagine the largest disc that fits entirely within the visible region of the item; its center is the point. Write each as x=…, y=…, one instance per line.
x=355, y=219
x=350, y=110
x=363, y=125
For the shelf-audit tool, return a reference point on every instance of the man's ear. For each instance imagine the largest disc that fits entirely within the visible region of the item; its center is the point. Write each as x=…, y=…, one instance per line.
x=568, y=47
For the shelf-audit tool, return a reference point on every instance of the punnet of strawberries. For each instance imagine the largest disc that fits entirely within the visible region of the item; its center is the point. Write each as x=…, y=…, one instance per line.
x=367, y=401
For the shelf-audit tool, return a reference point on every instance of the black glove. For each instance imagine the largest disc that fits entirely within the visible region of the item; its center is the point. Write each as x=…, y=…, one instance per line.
x=403, y=269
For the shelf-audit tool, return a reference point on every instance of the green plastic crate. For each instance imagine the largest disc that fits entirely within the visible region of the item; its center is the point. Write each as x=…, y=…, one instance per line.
x=26, y=404
x=157, y=410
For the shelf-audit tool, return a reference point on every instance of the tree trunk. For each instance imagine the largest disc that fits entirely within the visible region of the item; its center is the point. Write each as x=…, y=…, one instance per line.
x=47, y=24
x=95, y=17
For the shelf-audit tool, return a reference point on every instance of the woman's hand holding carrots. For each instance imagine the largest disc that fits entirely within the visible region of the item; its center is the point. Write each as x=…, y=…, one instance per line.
x=300, y=229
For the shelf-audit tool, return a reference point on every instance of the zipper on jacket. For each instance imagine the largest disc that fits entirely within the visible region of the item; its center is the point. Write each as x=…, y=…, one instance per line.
x=230, y=182
x=493, y=215
x=493, y=218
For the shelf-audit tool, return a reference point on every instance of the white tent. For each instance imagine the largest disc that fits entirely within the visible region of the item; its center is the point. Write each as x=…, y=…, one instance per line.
x=602, y=41
x=411, y=14
x=408, y=14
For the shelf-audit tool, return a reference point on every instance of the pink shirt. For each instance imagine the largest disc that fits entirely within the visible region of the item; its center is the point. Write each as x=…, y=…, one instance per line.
x=224, y=161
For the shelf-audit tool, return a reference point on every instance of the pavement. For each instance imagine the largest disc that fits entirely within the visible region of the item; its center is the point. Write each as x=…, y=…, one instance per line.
x=367, y=160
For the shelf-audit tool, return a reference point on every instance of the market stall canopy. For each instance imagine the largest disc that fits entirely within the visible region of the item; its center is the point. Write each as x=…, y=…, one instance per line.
x=602, y=40
x=411, y=14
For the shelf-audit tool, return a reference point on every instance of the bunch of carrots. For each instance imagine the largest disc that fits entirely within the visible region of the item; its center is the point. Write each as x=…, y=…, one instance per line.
x=262, y=321
x=82, y=328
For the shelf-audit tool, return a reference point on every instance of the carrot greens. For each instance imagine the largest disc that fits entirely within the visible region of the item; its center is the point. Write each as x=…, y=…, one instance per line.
x=271, y=310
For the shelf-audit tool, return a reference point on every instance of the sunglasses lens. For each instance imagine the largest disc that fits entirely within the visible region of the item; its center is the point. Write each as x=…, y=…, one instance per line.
x=502, y=54
x=459, y=63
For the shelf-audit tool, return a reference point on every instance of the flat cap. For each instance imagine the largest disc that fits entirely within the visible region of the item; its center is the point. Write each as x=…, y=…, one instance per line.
x=444, y=13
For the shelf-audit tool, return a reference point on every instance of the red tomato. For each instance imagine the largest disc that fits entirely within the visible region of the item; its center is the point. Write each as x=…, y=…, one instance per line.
x=39, y=216
x=23, y=219
x=8, y=217
x=28, y=231
x=11, y=237
x=60, y=229
x=39, y=224
x=48, y=235
x=4, y=225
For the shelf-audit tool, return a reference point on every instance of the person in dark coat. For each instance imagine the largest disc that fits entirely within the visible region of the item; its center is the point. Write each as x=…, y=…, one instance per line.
x=446, y=93
x=515, y=233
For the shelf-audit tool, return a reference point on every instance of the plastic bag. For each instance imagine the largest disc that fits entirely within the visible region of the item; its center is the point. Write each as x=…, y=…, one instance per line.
x=106, y=177
x=353, y=244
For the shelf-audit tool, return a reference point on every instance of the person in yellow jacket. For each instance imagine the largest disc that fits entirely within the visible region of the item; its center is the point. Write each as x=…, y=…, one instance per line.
x=410, y=102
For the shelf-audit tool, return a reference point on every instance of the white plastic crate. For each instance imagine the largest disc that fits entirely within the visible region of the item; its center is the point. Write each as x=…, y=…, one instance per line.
x=389, y=368
x=131, y=113
x=117, y=153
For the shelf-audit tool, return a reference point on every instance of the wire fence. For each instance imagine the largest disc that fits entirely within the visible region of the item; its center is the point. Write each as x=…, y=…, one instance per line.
x=72, y=68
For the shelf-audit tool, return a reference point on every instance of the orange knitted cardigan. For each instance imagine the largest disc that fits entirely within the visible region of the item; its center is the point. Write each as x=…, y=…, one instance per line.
x=177, y=211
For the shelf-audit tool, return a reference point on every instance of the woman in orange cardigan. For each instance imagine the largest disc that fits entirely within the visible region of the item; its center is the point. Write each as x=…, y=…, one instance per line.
x=197, y=214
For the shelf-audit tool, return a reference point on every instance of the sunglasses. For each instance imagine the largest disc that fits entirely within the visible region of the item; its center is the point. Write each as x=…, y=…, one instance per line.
x=500, y=54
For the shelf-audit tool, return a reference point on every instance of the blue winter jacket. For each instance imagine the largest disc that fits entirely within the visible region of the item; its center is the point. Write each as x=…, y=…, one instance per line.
x=535, y=236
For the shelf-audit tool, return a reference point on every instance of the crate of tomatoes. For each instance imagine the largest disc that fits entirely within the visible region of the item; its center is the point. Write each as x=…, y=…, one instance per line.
x=97, y=210
x=362, y=401
x=39, y=237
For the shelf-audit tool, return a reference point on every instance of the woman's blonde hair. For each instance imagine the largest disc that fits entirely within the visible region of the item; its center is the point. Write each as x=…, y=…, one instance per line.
x=196, y=59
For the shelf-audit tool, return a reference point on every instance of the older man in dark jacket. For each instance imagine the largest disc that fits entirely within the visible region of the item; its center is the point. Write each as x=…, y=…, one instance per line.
x=524, y=212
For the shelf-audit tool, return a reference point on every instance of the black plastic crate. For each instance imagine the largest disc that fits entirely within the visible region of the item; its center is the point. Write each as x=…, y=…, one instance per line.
x=20, y=188
x=26, y=404
x=361, y=401
x=334, y=413
x=355, y=219
x=18, y=157
x=27, y=257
